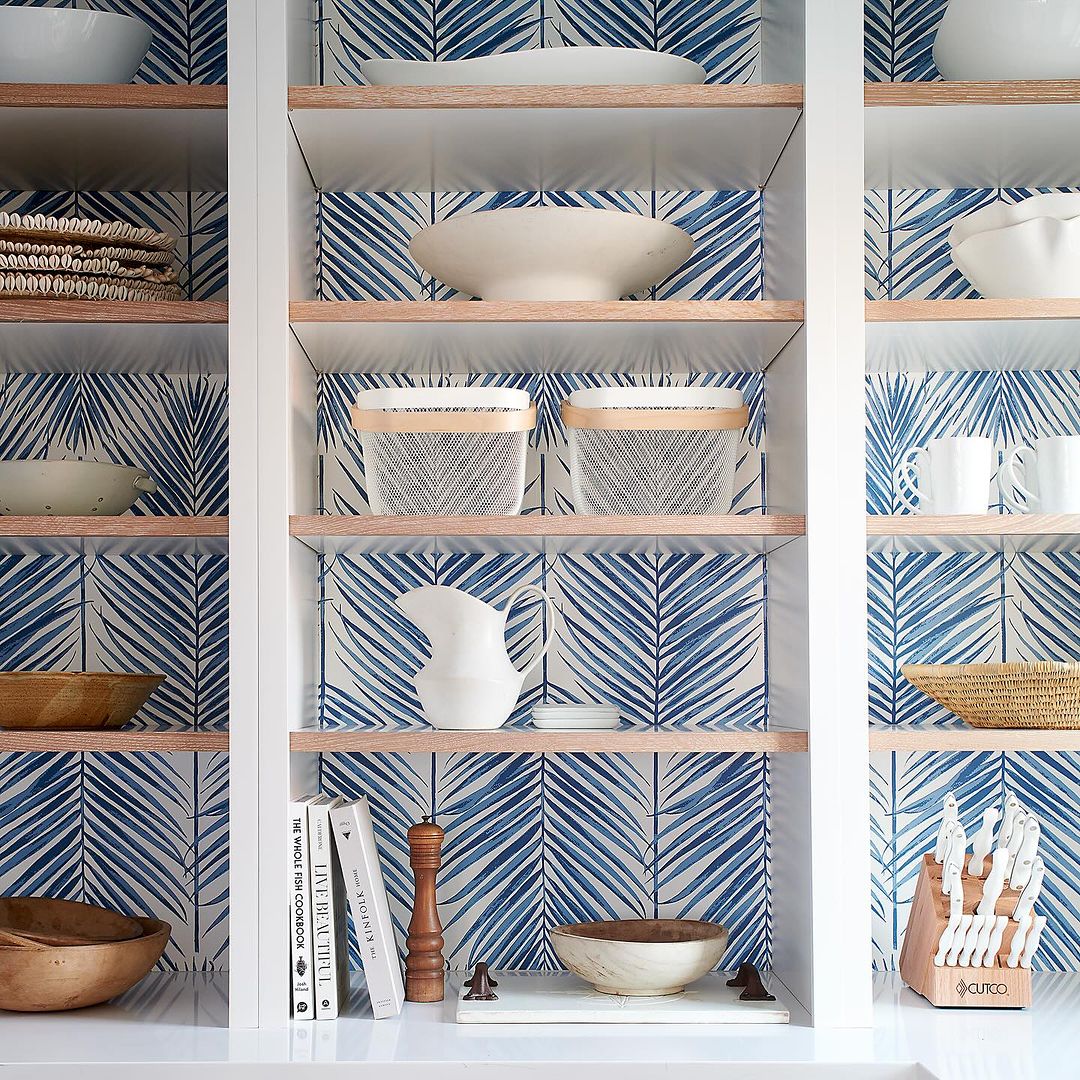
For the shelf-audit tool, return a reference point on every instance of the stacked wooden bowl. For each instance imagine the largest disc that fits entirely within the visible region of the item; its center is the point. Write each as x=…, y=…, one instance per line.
x=59, y=954
x=79, y=259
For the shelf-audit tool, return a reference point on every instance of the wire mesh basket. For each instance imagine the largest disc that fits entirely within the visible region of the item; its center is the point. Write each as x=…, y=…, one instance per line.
x=444, y=450
x=654, y=450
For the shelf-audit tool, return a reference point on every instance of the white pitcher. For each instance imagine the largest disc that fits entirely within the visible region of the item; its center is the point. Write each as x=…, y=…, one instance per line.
x=948, y=476
x=470, y=683
x=1052, y=471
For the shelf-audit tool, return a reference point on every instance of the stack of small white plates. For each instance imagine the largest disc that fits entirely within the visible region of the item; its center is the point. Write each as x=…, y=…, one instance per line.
x=575, y=717
x=79, y=259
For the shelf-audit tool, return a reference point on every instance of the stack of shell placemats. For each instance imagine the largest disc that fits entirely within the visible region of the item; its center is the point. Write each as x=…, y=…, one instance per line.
x=78, y=259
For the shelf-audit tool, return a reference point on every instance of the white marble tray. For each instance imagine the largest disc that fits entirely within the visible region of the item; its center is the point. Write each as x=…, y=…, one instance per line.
x=526, y=998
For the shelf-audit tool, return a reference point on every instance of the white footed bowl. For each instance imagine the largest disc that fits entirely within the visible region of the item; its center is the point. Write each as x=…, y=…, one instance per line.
x=70, y=488
x=69, y=45
x=640, y=957
x=1009, y=39
x=584, y=65
x=551, y=253
x=1038, y=258
x=1062, y=205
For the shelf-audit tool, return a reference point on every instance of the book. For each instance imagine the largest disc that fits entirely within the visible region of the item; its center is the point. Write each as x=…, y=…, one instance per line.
x=366, y=893
x=301, y=956
x=328, y=939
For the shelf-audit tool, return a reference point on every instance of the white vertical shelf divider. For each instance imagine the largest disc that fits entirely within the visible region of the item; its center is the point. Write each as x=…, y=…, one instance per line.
x=836, y=544
x=244, y=623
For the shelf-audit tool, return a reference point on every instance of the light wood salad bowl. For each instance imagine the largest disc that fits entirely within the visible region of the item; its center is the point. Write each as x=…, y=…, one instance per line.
x=60, y=954
x=72, y=700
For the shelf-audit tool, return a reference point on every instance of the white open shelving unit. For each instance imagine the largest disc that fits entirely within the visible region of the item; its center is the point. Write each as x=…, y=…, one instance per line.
x=799, y=137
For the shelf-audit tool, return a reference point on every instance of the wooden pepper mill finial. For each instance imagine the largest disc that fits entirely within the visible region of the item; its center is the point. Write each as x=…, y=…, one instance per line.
x=424, y=967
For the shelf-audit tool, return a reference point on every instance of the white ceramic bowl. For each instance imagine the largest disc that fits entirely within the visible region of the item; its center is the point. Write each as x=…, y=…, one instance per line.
x=1037, y=258
x=69, y=488
x=551, y=253
x=69, y=45
x=640, y=957
x=1009, y=39
x=585, y=65
x=1000, y=215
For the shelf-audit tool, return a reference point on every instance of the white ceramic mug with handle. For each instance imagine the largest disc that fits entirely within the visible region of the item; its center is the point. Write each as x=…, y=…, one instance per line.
x=1051, y=476
x=949, y=476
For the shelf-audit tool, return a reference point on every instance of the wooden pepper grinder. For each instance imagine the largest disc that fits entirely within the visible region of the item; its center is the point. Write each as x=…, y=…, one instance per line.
x=424, y=967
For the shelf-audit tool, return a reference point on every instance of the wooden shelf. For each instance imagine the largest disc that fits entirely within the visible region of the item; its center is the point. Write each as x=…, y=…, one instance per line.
x=920, y=94
x=559, y=138
x=627, y=336
x=134, y=137
x=742, y=532
x=961, y=737
x=113, y=742
x=113, y=535
x=515, y=741
x=971, y=335
x=984, y=532
x=116, y=336
x=952, y=135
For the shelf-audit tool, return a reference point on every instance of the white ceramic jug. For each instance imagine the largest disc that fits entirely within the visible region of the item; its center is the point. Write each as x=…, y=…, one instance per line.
x=1051, y=469
x=470, y=683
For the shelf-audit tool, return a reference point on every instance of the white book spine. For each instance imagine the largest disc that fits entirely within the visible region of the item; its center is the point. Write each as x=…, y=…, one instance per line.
x=370, y=909
x=327, y=913
x=303, y=986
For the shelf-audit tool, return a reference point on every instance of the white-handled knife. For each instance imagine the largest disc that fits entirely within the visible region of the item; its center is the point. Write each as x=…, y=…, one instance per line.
x=983, y=843
x=946, y=940
x=1016, y=838
x=1027, y=898
x=958, y=940
x=1032, y=942
x=983, y=941
x=971, y=939
x=994, y=947
x=995, y=882
x=956, y=891
x=945, y=831
x=1012, y=807
x=1016, y=947
x=1028, y=853
x=957, y=849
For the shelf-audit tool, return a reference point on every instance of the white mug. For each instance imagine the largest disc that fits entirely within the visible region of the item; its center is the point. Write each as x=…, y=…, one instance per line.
x=1052, y=470
x=950, y=476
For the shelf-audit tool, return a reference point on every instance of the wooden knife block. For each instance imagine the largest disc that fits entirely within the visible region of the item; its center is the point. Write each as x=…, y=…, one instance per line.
x=996, y=987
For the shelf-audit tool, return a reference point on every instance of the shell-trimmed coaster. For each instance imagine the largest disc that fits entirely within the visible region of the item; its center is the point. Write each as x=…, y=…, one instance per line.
x=136, y=256
x=42, y=227
x=69, y=287
x=67, y=264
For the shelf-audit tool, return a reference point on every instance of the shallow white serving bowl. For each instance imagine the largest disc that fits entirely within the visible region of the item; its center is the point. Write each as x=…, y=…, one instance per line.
x=982, y=40
x=640, y=957
x=1062, y=205
x=70, y=488
x=1037, y=258
x=69, y=45
x=551, y=253
x=585, y=65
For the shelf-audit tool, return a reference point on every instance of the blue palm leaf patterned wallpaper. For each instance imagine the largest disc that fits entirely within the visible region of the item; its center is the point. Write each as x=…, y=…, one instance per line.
x=146, y=833
x=900, y=39
x=724, y=36
x=675, y=640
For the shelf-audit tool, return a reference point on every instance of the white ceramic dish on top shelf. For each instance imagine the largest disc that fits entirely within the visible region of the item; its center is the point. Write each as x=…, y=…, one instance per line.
x=584, y=65
x=981, y=40
x=70, y=45
x=551, y=253
x=70, y=488
x=1029, y=249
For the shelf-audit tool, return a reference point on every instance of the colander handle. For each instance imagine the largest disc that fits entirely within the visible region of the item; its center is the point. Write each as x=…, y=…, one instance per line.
x=552, y=612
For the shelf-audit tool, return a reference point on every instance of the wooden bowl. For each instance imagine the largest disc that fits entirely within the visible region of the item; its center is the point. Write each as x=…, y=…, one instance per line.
x=71, y=700
x=48, y=979
x=640, y=957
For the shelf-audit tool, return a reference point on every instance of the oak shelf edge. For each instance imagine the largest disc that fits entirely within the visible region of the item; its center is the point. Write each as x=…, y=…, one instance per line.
x=878, y=311
x=113, y=741
x=48, y=310
x=113, y=96
x=1021, y=92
